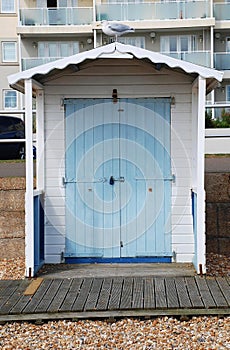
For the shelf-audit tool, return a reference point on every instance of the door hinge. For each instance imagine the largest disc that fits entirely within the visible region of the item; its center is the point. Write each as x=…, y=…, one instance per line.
x=121, y=244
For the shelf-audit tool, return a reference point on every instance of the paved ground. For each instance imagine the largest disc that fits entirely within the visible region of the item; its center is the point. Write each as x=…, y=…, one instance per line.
x=116, y=270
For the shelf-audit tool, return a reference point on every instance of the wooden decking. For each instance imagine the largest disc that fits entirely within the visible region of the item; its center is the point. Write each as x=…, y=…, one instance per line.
x=113, y=297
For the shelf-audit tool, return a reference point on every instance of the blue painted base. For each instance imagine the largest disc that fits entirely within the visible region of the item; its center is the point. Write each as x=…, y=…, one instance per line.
x=92, y=260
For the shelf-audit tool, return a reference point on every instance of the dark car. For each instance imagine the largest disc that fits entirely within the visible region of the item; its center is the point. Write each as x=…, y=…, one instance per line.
x=12, y=128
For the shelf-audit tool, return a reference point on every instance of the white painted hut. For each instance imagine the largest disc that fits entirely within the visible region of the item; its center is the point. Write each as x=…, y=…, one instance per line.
x=120, y=158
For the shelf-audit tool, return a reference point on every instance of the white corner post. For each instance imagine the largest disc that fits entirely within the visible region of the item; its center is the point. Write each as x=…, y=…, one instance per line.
x=40, y=144
x=29, y=201
x=200, y=237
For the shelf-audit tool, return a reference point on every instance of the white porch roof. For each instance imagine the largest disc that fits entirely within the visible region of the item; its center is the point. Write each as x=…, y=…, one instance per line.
x=116, y=50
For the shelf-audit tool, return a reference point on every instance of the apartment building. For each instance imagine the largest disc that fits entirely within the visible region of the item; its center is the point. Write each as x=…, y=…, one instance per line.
x=34, y=32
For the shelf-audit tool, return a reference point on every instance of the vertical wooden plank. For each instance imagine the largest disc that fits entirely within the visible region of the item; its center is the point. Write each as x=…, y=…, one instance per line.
x=83, y=295
x=216, y=293
x=48, y=297
x=205, y=293
x=193, y=292
x=182, y=292
x=171, y=293
x=161, y=301
x=127, y=293
x=93, y=294
x=72, y=294
x=60, y=296
x=104, y=296
x=149, y=293
x=116, y=290
x=225, y=288
x=138, y=293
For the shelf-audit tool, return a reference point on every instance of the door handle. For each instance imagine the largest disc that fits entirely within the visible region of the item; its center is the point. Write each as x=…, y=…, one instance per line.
x=119, y=179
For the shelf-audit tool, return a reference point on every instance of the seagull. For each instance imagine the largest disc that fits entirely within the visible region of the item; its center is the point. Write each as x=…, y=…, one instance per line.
x=115, y=29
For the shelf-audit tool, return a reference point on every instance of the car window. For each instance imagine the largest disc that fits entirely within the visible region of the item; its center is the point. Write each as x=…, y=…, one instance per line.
x=6, y=124
x=19, y=125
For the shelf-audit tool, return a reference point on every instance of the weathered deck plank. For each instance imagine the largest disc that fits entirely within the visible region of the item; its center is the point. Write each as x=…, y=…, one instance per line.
x=93, y=296
x=149, y=293
x=138, y=293
x=161, y=301
x=126, y=294
x=171, y=293
x=115, y=297
x=104, y=296
x=224, y=286
x=83, y=295
x=193, y=292
x=205, y=293
x=73, y=292
x=60, y=296
x=14, y=298
x=216, y=293
x=7, y=293
x=35, y=299
x=48, y=296
x=183, y=295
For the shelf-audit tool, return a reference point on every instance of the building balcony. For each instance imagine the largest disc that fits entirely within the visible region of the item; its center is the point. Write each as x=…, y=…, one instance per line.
x=133, y=11
x=203, y=58
x=222, y=11
x=64, y=16
x=222, y=60
x=28, y=63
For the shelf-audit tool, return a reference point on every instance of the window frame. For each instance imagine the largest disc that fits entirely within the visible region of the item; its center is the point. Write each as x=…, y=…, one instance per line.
x=4, y=99
x=4, y=42
x=5, y=11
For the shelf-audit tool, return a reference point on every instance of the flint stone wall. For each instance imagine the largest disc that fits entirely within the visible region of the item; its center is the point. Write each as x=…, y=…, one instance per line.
x=217, y=186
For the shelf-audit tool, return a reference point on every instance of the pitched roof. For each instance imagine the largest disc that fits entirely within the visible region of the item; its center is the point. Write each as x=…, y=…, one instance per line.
x=116, y=50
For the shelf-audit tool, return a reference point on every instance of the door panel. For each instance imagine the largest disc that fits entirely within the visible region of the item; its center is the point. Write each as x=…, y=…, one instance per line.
x=128, y=142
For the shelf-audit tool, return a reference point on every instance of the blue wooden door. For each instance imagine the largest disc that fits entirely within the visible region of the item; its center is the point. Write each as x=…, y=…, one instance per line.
x=118, y=178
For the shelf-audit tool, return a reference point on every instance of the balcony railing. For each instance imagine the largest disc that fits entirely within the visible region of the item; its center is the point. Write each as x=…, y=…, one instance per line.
x=203, y=58
x=28, y=63
x=58, y=16
x=222, y=60
x=132, y=11
x=222, y=11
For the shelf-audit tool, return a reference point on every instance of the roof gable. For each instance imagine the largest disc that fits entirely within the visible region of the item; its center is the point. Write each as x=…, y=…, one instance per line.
x=116, y=51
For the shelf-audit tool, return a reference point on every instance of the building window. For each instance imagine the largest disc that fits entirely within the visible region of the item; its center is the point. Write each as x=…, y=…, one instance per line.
x=10, y=100
x=9, y=51
x=8, y=6
x=228, y=93
x=55, y=49
x=138, y=41
x=178, y=43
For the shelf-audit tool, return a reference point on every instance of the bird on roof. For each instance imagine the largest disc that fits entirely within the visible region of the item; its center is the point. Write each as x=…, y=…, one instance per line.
x=115, y=29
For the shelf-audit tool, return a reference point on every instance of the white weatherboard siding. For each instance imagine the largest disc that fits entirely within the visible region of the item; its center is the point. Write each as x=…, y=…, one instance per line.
x=144, y=83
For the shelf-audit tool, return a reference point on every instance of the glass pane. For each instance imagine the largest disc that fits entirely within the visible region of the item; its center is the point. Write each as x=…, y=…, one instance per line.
x=173, y=44
x=75, y=47
x=8, y=6
x=184, y=43
x=9, y=52
x=10, y=99
x=62, y=3
x=227, y=44
x=65, y=50
x=52, y=50
x=228, y=92
x=41, y=50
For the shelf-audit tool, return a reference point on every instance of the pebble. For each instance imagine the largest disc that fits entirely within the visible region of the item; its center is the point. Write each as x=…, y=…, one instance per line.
x=167, y=333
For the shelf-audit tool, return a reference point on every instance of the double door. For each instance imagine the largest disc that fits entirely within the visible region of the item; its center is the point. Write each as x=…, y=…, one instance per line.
x=118, y=178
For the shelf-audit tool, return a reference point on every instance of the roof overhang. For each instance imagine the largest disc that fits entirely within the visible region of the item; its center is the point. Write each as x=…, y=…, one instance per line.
x=116, y=50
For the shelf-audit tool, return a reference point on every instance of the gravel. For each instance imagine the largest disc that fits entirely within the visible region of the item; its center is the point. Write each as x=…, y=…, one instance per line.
x=160, y=333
